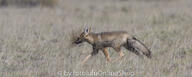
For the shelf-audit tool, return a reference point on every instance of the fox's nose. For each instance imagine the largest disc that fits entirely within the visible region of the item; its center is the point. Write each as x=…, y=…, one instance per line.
x=78, y=41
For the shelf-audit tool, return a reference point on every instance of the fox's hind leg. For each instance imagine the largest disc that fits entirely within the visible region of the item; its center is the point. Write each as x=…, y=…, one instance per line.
x=121, y=54
x=105, y=51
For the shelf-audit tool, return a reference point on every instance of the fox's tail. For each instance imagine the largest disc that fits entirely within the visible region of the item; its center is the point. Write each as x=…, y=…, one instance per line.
x=137, y=47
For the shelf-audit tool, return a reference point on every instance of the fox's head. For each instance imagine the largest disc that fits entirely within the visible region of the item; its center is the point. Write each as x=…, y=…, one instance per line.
x=83, y=36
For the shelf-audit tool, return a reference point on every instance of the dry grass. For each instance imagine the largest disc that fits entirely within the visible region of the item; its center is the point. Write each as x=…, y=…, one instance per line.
x=34, y=41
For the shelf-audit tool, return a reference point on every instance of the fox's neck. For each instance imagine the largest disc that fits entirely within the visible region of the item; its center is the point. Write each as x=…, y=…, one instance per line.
x=90, y=38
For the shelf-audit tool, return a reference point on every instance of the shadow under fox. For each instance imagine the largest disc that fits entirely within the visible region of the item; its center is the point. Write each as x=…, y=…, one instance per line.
x=116, y=40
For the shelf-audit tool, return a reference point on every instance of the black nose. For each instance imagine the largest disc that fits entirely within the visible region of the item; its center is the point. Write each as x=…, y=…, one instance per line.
x=78, y=41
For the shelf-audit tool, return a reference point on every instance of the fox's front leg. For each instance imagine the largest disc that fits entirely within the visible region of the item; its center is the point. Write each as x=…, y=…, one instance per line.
x=95, y=51
x=105, y=51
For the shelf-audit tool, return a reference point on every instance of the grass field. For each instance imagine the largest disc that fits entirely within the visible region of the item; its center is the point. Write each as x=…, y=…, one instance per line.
x=35, y=42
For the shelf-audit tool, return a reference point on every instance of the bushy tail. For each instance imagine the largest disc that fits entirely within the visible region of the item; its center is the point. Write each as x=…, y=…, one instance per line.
x=137, y=47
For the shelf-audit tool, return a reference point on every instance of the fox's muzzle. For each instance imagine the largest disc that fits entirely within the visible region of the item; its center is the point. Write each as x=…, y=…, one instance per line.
x=78, y=41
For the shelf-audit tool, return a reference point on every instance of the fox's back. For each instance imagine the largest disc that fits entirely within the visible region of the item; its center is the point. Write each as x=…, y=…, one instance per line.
x=113, y=33
x=115, y=37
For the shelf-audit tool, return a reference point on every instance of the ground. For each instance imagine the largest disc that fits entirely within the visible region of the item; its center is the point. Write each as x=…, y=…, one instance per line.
x=35, y=41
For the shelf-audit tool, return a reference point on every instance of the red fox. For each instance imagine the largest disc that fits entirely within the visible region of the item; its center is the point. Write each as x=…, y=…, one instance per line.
x=115, y=40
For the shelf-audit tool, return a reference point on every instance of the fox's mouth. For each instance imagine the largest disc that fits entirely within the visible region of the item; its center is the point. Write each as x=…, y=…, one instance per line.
x=78, y=41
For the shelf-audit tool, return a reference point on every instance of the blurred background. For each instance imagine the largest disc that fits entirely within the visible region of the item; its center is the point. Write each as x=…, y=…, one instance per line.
x=35, y=36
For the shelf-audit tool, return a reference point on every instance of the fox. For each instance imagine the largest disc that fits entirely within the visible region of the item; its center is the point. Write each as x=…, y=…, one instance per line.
x=114, y=39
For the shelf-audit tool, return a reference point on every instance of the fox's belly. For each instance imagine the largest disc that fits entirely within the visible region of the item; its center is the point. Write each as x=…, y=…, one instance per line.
x=104, y=44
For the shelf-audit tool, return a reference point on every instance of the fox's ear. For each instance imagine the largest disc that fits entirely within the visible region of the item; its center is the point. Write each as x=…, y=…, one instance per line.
x=89, y=29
